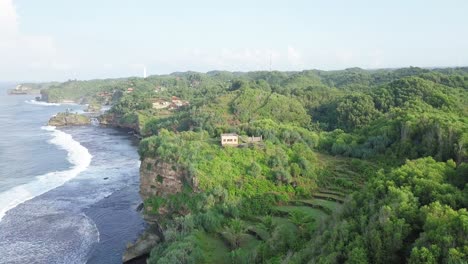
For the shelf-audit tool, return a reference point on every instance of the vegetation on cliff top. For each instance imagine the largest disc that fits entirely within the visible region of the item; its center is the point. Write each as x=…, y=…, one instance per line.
x=400, y=137
x=69, y=119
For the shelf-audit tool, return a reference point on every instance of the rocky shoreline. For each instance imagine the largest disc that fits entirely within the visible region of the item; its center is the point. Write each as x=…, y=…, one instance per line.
x=138, y=251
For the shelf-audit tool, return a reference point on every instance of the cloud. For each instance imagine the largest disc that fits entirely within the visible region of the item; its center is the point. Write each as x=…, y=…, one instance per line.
x=20, y=52
x=8, y=18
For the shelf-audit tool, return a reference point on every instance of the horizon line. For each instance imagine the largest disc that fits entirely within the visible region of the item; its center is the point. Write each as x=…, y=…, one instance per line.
x=206, y=72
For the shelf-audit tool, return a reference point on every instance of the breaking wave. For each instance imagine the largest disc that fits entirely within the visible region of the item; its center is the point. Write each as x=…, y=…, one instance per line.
x=78, y=156
x=41, y=103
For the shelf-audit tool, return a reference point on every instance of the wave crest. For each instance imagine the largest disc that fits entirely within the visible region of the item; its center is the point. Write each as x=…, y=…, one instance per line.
x=34, y=102
x=78, y=156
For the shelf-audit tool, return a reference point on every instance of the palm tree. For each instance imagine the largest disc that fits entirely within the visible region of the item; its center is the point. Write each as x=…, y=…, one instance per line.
x=233, y=233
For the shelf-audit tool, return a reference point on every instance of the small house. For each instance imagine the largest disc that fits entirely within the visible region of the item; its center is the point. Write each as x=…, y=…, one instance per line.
x=229, y=139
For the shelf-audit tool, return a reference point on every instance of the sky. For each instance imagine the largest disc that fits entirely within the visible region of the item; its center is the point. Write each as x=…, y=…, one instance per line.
x=85, y=39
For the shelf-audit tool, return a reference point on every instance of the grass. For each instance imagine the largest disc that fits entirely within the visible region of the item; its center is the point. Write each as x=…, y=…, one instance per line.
x=258, y=231
x=277, y=220
x=331, y=197
x=249, y=242
x=335, y=192
x=336, y=189
x=313, y=212
x=327, y=205
x=214, y=249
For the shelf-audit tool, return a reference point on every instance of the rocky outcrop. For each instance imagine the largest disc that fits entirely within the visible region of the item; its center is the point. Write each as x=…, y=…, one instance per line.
x=69, y=119
x=142, y=247
x=44, y=96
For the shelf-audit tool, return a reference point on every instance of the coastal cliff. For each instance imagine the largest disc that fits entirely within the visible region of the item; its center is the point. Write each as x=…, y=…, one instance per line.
x=69, y=119
x=113, y=120
x=159, y=178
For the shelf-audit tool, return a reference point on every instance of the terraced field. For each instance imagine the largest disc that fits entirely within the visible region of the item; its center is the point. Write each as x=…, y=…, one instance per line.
x=287, y=210
x=339, y=178
x=327, y=206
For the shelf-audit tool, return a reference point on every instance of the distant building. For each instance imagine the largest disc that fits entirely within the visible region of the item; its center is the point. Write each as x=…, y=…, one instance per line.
x=129, y=90
x=176, y=103
x=161, y=104
x=229, y=139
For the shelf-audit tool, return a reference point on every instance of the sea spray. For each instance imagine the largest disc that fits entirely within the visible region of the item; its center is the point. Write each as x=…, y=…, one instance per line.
x=34, y=102
x=77, y=155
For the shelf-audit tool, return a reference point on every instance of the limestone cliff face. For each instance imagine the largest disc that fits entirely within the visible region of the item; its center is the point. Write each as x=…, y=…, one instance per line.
x=160, y=178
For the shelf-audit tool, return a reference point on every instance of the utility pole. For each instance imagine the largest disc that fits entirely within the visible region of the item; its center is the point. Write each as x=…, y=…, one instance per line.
x=271, y=55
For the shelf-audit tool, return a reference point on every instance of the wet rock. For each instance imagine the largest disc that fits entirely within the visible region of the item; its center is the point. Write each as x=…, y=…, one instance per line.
x=142, y=247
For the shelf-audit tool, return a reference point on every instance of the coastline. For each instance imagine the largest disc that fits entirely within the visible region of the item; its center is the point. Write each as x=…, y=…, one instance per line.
x=81, y=220
x=76, y=198
x=77, y=155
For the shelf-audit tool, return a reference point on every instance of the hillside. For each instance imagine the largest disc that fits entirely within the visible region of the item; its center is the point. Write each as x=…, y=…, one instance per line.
x=351, y=166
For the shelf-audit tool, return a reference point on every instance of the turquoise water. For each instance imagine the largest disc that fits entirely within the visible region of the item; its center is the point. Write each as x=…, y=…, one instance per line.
x=64, y=193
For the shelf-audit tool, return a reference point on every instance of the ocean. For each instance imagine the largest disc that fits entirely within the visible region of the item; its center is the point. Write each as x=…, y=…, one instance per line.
x=67, y=195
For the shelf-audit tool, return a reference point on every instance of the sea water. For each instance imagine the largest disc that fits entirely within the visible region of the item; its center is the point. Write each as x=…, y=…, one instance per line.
x=64, y=192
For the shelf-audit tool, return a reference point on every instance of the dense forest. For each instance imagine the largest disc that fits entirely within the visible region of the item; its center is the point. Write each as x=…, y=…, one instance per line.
x=354, y=166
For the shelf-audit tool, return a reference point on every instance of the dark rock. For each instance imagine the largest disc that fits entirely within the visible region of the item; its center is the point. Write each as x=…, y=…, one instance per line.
x=140, y=207
x=141, y=248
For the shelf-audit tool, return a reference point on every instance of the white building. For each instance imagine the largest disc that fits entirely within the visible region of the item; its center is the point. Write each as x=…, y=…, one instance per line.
x=229, y=139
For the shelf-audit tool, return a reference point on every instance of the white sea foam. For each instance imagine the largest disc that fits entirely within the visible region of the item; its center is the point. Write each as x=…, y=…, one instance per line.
x=96, y=229
x=77, y=155
x=41, y=103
